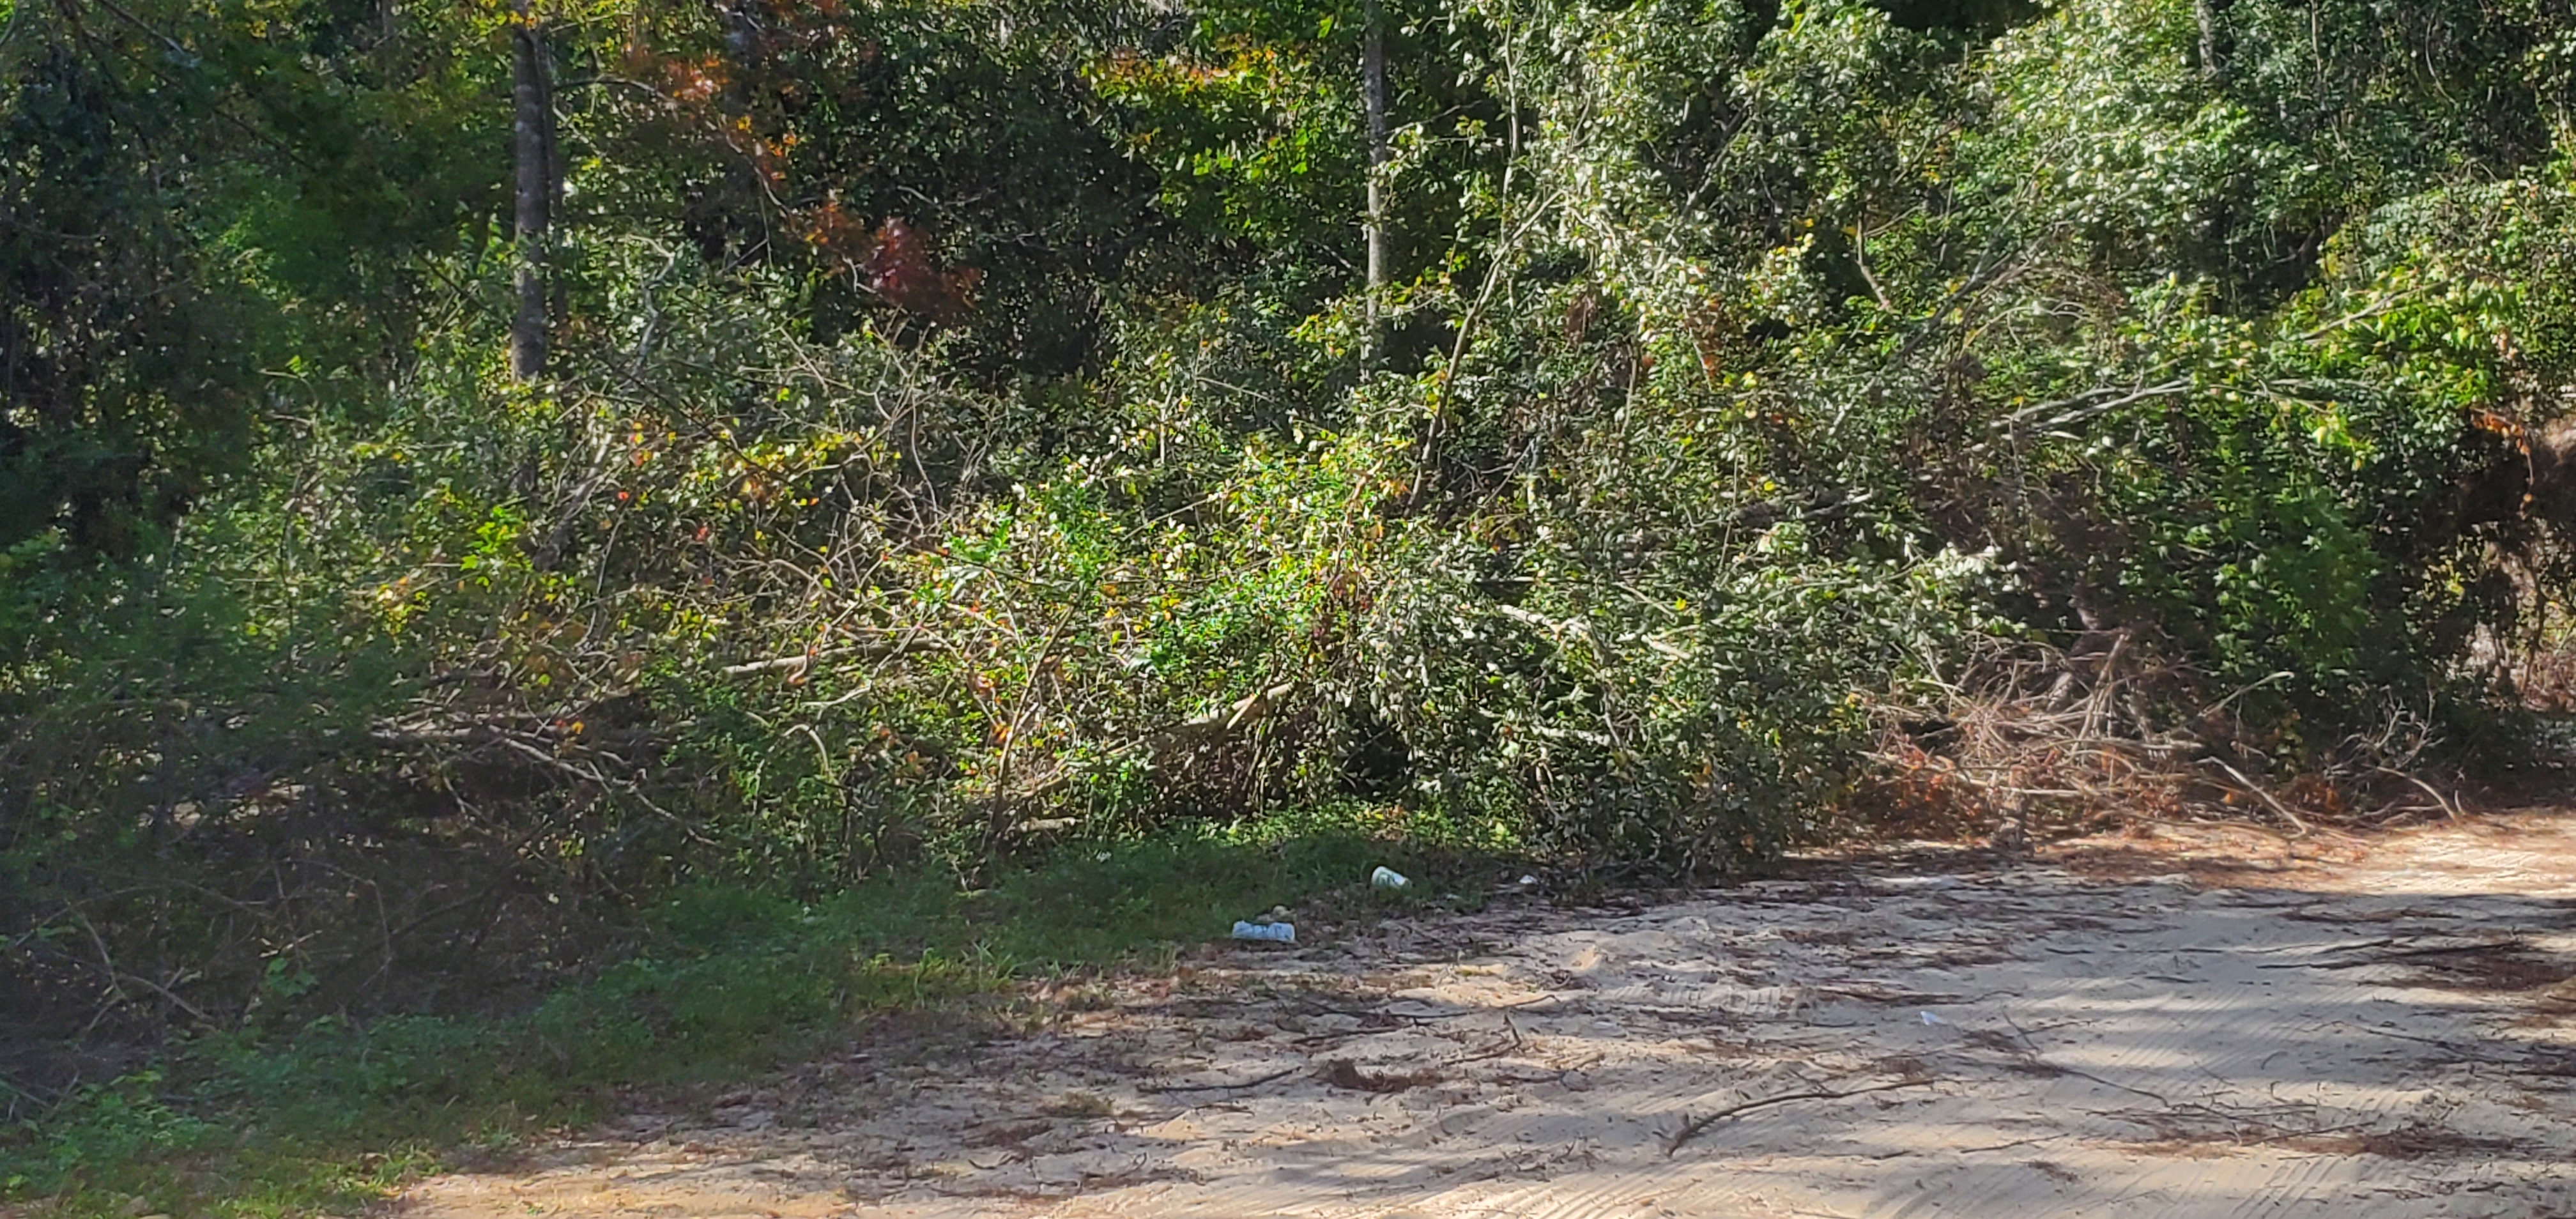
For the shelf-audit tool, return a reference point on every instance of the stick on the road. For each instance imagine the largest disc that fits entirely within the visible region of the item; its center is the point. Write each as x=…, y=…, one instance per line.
x=1691, y=1127
x=1241, y=1083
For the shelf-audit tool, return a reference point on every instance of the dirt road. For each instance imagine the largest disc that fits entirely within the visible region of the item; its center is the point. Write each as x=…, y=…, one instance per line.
x=2221, y=1029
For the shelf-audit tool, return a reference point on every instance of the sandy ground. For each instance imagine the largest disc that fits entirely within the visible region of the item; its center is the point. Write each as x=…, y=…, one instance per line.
x=2230, y=1025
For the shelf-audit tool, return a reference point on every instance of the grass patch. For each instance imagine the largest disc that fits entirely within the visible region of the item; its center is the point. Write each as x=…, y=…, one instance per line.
x=727, y=982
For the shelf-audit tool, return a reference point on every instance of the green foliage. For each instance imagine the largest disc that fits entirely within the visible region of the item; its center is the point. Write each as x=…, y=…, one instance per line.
x=112, y=428
x=121, y=1120
x=957, y=450
x=200, y=203
x=727, y=980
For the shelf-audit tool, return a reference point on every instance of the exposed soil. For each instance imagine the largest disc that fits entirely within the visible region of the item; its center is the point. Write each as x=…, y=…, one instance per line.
x=2207, y=1023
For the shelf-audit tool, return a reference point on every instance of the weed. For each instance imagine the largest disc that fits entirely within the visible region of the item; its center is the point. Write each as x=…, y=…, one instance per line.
x=726, y=982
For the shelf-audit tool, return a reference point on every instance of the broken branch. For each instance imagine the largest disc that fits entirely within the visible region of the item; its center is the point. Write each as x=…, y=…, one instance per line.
x=1692, y=1127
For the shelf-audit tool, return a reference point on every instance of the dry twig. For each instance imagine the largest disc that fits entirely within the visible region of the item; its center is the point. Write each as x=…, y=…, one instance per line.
x=1693, y=1127
x=1242, y=1083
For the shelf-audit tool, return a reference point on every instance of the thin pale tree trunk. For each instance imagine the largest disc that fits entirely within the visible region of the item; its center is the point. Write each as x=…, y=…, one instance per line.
x=532, y=93
x=2213, y=40
x=1373, y=99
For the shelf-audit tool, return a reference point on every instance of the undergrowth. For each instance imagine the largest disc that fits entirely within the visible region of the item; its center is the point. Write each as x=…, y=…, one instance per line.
x=724, y=982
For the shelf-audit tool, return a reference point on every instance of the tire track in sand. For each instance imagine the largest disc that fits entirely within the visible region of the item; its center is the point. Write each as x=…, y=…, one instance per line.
x=2111, y=1048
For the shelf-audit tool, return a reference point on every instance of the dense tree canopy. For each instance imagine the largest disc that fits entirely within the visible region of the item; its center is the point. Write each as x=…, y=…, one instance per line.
x=962, y=424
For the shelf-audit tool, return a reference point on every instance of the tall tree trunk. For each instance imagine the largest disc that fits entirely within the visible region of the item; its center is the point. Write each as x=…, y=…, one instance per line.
x=2213, y=40
x=532, y=92
x=1373, y=99
x=2218, y=219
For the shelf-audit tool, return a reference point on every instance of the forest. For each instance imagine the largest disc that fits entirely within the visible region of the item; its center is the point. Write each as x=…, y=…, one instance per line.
x=514, y=511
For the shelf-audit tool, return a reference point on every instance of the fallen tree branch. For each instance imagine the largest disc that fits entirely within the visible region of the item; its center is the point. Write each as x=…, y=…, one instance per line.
x=800, y=661
x=1693, y=1127
x=2448, y=809
x=592, y=775
x=2264, y=796
x=2097, y=401
x=883, y=650
x=1571, y=626
x=117, y=978
x=1234, y=715
x=1246, y=1083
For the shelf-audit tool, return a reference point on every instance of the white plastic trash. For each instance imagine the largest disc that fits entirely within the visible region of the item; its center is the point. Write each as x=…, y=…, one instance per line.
x=1388, y=878
x=1282, y=933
